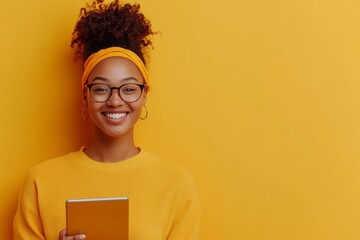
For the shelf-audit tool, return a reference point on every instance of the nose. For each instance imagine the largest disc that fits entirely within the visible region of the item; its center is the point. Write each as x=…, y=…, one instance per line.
x=115, y=99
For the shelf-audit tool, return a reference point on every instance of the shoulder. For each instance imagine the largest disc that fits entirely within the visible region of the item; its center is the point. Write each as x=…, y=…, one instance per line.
x=53, y=165
x=164, y=164
x=168, y=168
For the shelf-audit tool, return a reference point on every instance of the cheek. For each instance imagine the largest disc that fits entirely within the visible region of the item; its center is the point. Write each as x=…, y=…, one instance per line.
x=92, y=107
x=137, y=108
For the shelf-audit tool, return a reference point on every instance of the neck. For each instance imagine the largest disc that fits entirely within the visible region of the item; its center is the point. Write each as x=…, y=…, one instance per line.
x=104, y=148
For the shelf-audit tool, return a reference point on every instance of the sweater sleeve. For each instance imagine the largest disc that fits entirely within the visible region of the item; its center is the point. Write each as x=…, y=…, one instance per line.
x=186, y=224
x=27, y=222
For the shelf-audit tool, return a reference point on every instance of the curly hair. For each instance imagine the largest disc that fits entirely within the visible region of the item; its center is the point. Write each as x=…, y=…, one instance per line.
x=103, y=25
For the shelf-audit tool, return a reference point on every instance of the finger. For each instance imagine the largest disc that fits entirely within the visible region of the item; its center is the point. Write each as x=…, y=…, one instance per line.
x=62, y=236
x=77, y=237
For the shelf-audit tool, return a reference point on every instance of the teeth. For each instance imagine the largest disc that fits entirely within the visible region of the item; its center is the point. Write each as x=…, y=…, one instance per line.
x=115, y=115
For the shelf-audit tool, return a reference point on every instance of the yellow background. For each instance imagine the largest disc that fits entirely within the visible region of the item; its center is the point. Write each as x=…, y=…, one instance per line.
x=258, y=99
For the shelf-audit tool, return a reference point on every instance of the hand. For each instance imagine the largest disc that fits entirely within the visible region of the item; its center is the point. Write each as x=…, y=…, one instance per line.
x=63, y=236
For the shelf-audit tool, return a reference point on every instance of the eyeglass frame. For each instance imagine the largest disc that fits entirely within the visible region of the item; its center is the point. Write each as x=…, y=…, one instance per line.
x=89, y=85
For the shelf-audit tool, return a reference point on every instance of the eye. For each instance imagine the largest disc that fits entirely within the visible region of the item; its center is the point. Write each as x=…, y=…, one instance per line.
x=130, y=89
x=99, y=89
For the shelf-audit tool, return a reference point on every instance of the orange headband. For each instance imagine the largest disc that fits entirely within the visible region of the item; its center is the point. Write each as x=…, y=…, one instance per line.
x=97, y=57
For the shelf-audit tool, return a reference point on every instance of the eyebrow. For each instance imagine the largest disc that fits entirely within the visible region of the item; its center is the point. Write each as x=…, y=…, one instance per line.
x=106, y=79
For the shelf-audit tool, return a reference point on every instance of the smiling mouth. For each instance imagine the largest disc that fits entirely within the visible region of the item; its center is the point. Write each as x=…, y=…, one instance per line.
x=115, y=115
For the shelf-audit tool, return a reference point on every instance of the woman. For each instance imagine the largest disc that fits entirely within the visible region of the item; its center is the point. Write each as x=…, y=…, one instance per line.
x=111, y=39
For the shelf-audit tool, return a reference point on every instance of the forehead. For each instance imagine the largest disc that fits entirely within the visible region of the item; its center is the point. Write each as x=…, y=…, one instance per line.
x=116, y=69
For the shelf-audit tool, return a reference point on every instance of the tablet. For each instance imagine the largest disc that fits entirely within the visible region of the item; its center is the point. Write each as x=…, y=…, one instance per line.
x=98, y=218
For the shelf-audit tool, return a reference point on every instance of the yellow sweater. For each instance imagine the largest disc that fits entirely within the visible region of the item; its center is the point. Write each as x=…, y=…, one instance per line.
x=164, y=201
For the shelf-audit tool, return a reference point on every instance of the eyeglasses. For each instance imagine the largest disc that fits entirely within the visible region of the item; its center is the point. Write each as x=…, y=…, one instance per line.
x=129, y=92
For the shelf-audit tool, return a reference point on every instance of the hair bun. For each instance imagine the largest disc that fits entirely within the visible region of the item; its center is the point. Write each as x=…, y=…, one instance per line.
x=103, y=25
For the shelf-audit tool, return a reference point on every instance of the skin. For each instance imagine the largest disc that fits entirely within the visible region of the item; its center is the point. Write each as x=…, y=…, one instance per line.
x=112, y=139
x=62, y=236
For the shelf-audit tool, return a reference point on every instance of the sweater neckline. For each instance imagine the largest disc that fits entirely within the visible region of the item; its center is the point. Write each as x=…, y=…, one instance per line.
x=86, y=160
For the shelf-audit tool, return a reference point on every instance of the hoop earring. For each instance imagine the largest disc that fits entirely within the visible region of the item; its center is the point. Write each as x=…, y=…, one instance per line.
x=83, y=114
x=146, y=114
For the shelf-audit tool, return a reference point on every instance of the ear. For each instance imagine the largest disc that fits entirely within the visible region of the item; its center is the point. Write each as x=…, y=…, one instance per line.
x=85, y=102
x=144, y=95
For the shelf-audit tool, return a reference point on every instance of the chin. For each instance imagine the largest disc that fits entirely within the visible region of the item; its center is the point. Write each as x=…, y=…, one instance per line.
x=114, y=132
